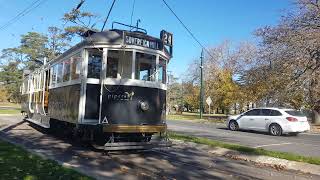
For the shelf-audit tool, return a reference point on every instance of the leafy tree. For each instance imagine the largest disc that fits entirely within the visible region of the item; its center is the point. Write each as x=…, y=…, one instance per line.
x=11, y=78
x=57, y=43
x=294, y=47
x=81, y=21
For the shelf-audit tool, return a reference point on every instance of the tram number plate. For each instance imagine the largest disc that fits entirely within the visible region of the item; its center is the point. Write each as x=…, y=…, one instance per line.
x=166, y=37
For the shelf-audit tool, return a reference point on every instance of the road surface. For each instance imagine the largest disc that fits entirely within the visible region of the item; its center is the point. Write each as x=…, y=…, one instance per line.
x=304, y=144
x=178, y=162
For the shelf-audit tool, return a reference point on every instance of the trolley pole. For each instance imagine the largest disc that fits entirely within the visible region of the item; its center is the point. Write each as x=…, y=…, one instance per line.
x=201, y=84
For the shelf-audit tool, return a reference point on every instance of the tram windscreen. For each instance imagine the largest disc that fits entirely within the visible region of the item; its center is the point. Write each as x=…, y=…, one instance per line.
x=94, y=63
x=119, y=63
x=145, y=66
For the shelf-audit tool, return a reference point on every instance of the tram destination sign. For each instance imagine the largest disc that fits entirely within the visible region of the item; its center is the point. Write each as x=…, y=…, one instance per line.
x=132, y=39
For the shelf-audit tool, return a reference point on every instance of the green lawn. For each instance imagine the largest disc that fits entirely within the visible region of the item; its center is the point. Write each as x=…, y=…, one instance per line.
x=194, y=116
x=17, y=163
x=15, y=105
x=244, y=149
x=9, y=111
x=9, y=108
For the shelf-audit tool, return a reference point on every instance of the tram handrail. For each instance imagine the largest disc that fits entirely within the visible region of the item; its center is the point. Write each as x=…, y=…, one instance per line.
x=133, y=27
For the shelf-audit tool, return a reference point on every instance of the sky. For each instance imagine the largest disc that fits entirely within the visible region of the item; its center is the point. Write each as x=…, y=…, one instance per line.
x=211, y=21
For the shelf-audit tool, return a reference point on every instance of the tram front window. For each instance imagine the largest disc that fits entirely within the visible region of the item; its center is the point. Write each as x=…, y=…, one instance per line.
x=145, y=66
x=119, y=64
x=94, y=63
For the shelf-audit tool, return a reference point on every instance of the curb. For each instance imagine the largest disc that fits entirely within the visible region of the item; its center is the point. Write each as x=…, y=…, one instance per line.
x=264, y=160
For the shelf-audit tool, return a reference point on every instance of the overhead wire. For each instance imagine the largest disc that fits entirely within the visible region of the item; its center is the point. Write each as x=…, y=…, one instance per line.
x=108, y=15
x=188, y=30
x=24, y=12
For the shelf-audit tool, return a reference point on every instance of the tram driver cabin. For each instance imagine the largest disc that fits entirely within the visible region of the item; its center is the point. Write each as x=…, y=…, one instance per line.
x=110, y=86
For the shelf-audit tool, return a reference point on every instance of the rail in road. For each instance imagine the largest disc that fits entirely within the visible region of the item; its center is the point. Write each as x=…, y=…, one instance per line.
x=303, y=144
x=179, y=162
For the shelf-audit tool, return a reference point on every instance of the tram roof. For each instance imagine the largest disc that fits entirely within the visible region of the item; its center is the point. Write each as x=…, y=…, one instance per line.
x=112, y=37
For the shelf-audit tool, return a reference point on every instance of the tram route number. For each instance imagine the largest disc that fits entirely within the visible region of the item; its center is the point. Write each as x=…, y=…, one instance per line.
x=167, y=38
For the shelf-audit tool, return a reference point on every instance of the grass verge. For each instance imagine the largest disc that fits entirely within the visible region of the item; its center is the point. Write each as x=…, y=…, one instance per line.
x=9, y=111
x=17, y=163
x=8, y=104
x=194, y=116
x=244, y=149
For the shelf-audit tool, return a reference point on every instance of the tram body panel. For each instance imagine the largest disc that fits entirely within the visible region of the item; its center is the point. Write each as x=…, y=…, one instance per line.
x=64, y=103
x=123, y=106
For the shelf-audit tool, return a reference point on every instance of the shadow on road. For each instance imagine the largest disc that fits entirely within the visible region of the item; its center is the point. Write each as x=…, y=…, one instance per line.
x=178, y=162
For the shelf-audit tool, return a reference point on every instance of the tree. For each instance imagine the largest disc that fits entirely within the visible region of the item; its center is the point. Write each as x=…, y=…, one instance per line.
x=33, y=48
x=221, y=74
x=81, y=22
x=11, y=77
x=294, y=47
x=57, y=43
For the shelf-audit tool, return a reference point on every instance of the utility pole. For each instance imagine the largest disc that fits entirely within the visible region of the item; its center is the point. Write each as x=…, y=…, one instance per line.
x=201, y=84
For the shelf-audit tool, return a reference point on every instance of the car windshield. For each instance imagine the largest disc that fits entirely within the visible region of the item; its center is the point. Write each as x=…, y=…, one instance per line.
x=295, y=113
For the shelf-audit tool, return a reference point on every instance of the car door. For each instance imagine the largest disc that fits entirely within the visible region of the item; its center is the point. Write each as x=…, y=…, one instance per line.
x=259, y=123
x=246, y=120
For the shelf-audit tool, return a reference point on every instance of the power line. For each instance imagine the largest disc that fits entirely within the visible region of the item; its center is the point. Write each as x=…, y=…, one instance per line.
x=28, y=9
x=108, y=15
x=189, y=31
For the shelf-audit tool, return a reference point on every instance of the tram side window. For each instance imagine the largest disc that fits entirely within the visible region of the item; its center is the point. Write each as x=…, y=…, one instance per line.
x=75, y=66
x=25, y=86
x=66, y=70
x=94, y=63
x=145, y=66
x=54, y=71
x=162, y=71
x=59, y=73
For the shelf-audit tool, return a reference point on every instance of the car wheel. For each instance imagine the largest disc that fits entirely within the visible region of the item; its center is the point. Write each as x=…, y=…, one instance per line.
x=275, y=130
x=233, y=125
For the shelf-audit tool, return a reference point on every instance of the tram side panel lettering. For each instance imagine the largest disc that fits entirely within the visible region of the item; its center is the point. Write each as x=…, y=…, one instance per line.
x=64, y=103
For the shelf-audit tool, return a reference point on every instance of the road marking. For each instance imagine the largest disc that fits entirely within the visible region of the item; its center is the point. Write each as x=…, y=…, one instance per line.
x=271, y=145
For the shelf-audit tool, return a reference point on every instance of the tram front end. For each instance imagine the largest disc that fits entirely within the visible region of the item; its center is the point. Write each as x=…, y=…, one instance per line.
x=129, y=99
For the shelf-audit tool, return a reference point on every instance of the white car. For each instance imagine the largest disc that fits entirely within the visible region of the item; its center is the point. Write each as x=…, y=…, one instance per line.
x=276, y=121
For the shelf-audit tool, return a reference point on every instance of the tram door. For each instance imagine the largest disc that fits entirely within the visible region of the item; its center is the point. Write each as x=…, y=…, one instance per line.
x=93, y=86
x=46, y=90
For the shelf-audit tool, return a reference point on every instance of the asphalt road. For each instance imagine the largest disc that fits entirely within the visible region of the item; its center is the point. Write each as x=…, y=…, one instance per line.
x=304, y=144
x=181, y=161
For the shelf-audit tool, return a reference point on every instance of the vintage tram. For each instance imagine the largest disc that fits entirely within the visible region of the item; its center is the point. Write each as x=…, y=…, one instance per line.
x=109, y=89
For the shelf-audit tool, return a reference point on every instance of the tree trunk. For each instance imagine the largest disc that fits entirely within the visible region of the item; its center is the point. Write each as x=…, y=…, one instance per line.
x=316, y=117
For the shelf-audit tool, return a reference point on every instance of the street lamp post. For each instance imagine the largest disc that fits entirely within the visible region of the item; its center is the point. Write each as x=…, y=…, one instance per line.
x=201, y=84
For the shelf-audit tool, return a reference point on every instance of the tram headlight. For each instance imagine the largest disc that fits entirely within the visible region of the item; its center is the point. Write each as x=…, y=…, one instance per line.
x=144, y=105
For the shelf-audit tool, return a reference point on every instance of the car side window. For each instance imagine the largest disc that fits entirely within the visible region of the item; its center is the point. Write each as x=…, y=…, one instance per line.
x=265, y=112
x=275, y=113
x=254, y=112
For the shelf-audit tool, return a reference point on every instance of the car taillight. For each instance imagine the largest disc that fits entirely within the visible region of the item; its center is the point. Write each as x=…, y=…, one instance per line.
x=292, y=119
